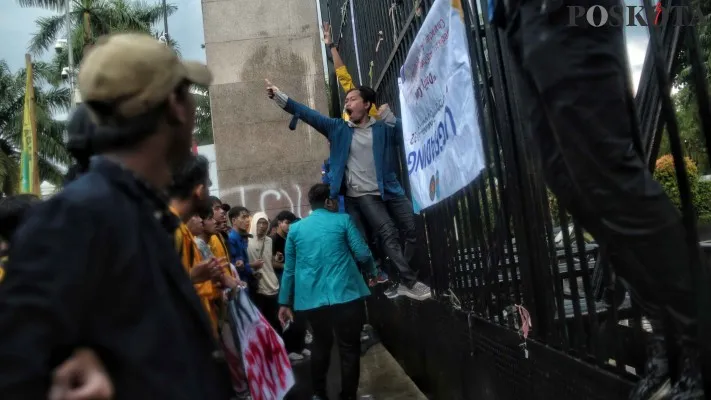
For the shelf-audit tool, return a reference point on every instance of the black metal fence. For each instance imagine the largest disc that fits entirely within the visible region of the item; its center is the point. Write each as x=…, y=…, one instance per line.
x=503, y=241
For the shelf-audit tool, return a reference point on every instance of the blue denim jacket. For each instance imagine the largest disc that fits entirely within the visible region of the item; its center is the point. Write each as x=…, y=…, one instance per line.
x=237, y=245
x=320, y=262
x=340, y=135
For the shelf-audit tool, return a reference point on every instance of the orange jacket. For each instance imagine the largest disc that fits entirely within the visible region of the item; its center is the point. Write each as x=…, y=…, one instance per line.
x=219, y=250
x=190, y=256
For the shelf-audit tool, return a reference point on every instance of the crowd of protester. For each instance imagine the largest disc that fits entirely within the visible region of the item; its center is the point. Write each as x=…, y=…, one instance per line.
x=119, y=285
x=122, y=281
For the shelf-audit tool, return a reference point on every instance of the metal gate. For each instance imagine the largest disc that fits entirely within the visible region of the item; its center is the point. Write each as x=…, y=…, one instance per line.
x=503, y=242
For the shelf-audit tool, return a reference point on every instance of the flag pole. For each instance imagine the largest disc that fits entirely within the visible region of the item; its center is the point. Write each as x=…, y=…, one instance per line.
x=30, y=174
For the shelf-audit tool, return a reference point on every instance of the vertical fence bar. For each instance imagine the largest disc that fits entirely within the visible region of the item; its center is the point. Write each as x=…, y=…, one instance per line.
x=689, y=213
x=355, y=43
x=492, y=243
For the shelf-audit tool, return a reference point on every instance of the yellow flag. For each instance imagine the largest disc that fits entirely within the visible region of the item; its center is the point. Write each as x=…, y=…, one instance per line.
x=28, y=161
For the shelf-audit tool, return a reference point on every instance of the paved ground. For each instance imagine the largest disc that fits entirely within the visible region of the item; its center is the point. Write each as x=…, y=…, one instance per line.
x=380, y=377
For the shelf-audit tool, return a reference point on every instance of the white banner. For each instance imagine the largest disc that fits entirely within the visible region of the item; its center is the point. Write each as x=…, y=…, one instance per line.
x=439, y=114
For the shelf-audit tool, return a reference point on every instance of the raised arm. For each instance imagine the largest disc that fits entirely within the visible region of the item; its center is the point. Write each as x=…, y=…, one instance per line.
x=344, y=78
x=388, y=116
x=321, y=123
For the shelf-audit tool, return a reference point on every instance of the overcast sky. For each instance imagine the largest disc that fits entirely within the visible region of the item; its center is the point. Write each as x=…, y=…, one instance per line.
x=17, y=25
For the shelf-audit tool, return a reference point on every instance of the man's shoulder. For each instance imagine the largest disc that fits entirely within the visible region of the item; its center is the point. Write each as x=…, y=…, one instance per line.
x=74, y=215
x=381, y=124
x=333, y=216
x=295, y=227
x=87, y=195
x=326, y=218
x=344, y=220
x=235, y=237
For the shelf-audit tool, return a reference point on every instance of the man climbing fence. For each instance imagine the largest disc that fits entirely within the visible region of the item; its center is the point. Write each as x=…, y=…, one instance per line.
x=363, y=160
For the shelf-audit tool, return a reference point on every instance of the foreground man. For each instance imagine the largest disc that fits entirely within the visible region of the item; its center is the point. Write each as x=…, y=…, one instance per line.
x=363, y=154
x=95, y=265
x=580, y=109
x=327, y=287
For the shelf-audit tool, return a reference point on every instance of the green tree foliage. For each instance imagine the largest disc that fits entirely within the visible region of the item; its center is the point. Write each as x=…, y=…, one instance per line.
x=203, y=116
x=703, y=29
x=685, y=98
x=49, y=100
x=665, y=174
x=700, y=190
x=692, y=140
x=103, y=17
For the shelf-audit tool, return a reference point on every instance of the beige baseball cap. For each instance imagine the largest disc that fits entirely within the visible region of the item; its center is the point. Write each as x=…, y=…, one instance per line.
x=135, y=73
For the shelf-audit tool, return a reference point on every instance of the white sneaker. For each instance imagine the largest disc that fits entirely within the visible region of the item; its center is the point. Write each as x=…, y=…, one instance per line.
x=419, y=291
x=295, y=357
x=306, y=353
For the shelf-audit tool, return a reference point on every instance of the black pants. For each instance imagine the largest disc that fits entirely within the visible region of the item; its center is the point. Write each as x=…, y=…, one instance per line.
x=577, y=101
x=269, y=307
x=295, y=336
x=384, y=218
x=346, y=321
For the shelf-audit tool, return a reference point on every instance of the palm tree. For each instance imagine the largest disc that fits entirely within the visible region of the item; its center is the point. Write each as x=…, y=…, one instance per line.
x=90, y=19
x=203, y=116
x=171, y=42
x=49, y=100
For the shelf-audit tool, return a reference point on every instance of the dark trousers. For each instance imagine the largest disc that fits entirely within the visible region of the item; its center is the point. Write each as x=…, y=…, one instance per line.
x=295, y=336
x=388, y=219
x=576, y=99
x=345, y=320
x=269, y=307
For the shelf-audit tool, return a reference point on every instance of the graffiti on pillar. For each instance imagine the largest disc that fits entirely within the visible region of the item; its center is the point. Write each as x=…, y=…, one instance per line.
x=270, y=198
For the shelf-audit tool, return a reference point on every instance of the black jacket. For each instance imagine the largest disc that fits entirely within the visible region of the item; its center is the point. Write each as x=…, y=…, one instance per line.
x=95, y=266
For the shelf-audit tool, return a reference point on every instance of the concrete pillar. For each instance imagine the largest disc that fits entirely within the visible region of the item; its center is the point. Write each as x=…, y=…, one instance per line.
x=261, y=163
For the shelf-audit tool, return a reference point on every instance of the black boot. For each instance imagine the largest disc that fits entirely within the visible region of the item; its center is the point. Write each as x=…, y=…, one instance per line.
x=655, y=384
x=690, y=385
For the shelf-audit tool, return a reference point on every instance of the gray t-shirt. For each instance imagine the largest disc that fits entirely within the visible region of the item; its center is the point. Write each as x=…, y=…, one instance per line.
x=361, y=178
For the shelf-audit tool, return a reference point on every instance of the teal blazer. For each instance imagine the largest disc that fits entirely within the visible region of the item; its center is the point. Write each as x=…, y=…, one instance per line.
x=320, y=266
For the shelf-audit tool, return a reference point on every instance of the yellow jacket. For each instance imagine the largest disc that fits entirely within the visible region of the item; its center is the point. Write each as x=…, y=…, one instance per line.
x=3, y=263
x=219, y=250
x=346, y=81
x=190, y=255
